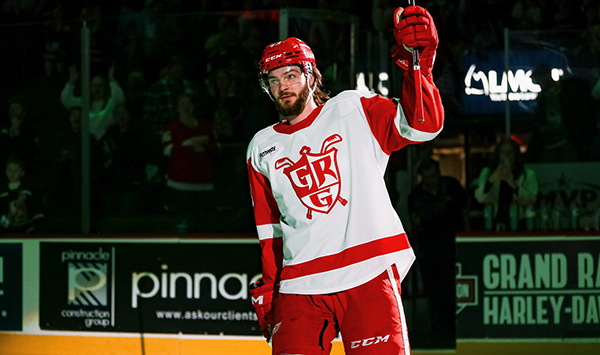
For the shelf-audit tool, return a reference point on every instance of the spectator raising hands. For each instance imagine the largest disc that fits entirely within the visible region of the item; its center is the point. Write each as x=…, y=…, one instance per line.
x=104, y=97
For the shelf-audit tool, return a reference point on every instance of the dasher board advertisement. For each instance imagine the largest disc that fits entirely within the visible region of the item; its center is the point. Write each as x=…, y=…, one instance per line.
x=189, y=288
x=528, y=287
x=11, y=286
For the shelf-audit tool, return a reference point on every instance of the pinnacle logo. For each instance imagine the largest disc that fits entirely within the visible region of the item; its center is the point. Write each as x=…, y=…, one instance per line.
x=88, y=284
x=315, y=177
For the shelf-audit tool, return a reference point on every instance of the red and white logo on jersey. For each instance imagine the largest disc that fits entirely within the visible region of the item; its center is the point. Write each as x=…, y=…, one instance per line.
x=315, y=177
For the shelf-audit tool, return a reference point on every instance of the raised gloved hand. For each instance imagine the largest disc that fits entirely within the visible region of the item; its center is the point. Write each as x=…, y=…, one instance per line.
x=414, y=28
x=262, y=298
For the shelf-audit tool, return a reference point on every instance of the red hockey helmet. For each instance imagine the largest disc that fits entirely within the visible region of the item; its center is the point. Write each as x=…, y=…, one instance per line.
x=287, y=52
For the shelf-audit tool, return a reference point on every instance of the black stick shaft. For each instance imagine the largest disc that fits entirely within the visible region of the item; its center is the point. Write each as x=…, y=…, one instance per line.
x=415, y=54
x=417, y=73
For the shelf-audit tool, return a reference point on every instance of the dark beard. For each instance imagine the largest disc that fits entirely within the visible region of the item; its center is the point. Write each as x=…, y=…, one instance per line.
x=297, y=107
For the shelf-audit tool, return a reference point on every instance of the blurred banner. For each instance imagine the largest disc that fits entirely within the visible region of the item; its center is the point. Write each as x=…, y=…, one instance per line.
x=11, y=286
x=572, y=190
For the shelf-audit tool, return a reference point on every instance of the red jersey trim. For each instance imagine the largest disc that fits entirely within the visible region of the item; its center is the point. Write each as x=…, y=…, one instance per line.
x=347, y=257
x=283, y=127
x=271, y=258
x=266, y=210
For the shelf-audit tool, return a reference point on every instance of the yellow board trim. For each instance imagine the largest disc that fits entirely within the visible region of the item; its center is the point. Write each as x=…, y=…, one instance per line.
x=26, y=344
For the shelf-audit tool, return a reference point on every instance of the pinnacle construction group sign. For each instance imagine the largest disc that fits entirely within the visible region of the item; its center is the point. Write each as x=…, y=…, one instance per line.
x=528, y=287
x=192, y=288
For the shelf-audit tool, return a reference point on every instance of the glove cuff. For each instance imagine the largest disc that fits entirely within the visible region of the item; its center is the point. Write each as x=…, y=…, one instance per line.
x=261, y=294
x=403, y=58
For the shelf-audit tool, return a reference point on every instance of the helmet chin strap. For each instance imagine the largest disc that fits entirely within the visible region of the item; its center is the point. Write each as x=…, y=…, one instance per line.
x=308, y=68
x=311, y=91
x=270, y=95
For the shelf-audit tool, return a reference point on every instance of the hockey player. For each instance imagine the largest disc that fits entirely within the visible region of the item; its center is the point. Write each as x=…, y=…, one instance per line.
x=333, y=248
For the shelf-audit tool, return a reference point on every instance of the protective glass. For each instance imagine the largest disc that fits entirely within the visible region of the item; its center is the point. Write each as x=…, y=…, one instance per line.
x=292, y=76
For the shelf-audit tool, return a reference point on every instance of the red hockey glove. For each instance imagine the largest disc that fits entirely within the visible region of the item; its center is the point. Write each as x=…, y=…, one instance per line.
x=414, y=27
x=262, y=297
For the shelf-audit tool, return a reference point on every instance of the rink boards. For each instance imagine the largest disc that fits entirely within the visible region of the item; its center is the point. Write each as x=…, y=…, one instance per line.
x=183, y=295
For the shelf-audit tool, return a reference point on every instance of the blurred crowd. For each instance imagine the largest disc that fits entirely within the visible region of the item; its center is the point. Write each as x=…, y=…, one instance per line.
x=174, y=98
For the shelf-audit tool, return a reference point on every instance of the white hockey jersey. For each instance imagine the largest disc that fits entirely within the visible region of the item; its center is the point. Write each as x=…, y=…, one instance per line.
x=322, y=210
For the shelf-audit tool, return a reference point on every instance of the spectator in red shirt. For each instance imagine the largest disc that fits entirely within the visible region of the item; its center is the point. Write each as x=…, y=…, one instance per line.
x=190, y=145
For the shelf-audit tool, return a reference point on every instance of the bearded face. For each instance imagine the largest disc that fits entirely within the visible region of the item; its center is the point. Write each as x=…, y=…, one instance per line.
x=287, y=106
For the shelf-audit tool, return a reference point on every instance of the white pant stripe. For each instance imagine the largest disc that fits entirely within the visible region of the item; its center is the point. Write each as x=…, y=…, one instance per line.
x=401, y=310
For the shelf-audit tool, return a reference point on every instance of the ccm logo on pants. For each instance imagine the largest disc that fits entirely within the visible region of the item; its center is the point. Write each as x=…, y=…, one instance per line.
x=369, y=341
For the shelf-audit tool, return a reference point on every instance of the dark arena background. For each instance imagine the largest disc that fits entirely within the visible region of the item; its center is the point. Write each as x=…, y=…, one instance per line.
x=109, y=262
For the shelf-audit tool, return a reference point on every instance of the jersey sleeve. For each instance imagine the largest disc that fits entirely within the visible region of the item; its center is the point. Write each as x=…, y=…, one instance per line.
x=394, y=123
x=266, y=216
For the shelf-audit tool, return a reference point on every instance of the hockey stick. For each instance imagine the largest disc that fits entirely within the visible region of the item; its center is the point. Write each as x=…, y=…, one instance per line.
x=330, y=141
x=417, y=73
x=283, y=163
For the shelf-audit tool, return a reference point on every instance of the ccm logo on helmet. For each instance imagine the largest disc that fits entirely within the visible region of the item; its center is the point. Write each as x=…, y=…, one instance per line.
x=369, y=341
x=273, y=57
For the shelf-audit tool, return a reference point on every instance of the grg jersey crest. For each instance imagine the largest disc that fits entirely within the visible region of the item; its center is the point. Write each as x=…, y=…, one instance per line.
x=315, y=177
